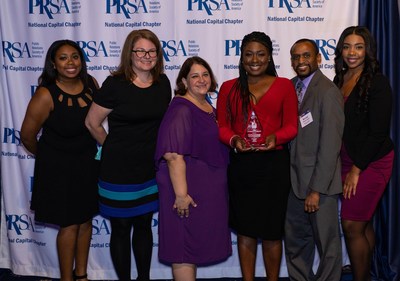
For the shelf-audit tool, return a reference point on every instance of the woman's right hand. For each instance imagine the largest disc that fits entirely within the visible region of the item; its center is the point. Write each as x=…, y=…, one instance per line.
x=182, y=204
x=94, y=122
x=177, y=172
x=240, y=145
x=350, y=182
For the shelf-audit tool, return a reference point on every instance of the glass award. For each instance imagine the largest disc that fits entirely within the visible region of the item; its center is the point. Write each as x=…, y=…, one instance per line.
x=254, y=135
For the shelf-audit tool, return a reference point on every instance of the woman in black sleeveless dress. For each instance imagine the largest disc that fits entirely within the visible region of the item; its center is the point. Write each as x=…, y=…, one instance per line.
x=65, y=177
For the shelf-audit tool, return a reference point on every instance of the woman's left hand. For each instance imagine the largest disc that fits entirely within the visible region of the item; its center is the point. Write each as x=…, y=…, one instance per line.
x=182, y=204
x=270, y=143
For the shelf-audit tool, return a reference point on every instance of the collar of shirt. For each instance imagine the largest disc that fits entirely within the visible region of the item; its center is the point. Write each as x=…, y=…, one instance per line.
x=306, y=81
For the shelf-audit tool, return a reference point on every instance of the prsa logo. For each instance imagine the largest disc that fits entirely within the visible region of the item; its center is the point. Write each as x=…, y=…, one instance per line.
x=212, y=97
x=100, y=226
x=126, y=7
x=93, y=49
x=11, y=136
x=209, y=6
x=232, y=47
x=33, y=89
x=16, y=50
x=326, y=47
x=49, y=7
x=289, y=4
x=19, y=223
x=31, y=184
x=173, y=48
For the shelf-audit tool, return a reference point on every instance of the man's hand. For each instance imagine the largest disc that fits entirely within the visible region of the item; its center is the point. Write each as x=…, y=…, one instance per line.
x=311, y=204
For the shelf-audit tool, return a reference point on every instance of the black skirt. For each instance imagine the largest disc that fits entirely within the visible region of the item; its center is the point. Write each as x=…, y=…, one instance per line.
x=259, y=184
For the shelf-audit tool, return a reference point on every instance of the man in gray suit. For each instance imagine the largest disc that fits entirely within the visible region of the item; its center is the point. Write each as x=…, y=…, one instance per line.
x=312, y=213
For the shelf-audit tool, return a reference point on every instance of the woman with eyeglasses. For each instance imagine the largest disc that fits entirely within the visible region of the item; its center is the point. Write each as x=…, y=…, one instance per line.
x=134, y=99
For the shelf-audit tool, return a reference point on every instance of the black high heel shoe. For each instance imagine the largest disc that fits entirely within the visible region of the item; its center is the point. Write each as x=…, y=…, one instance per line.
x=78, y=277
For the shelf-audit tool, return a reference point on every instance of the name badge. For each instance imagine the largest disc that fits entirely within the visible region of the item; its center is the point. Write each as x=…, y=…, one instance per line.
x=305, y=119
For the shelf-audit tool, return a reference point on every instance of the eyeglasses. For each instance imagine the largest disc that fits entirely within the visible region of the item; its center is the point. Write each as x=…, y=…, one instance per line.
x=143, y=53
x=305, y=56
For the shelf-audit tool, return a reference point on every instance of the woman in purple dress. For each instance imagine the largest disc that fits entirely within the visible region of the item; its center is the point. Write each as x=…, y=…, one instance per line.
x=191, y=175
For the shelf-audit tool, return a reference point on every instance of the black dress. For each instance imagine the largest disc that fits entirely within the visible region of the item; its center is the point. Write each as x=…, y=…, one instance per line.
x=259, y=185
x=127, y=185
x=65, y=177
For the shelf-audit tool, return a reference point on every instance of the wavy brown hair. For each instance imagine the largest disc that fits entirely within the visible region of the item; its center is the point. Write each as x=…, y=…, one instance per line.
x=184, y=72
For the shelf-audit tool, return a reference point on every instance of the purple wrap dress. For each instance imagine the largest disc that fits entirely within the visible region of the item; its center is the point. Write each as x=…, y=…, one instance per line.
x=204, y=237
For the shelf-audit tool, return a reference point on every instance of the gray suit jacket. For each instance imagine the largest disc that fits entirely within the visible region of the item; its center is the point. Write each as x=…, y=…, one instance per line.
x=314, y=153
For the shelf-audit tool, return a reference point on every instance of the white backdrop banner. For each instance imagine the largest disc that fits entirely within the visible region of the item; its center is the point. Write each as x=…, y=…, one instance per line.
x=212, y=29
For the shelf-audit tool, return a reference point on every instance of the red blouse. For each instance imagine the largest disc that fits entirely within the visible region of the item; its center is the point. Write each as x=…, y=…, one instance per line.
x=276, y=111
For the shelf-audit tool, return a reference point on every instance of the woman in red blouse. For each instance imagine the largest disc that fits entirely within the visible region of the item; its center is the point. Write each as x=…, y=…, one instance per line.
x=257, y=117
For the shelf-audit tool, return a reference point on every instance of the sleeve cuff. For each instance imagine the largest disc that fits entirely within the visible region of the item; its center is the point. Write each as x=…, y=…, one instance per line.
x=230, y=140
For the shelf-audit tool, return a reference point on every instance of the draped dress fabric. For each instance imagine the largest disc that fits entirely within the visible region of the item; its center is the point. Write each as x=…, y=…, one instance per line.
x=203, y=237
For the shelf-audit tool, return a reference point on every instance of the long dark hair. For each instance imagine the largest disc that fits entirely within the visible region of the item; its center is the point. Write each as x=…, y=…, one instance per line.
x=49, y=74
x=371, y=64
x=240, y=91
x=184, y=72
